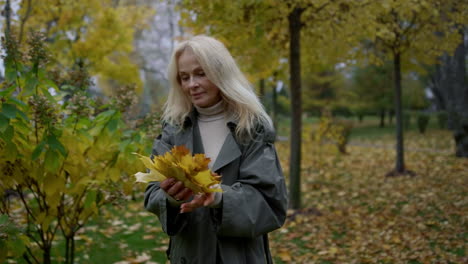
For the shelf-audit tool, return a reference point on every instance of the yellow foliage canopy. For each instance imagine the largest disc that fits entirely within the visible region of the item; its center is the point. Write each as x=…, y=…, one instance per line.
x=193, y=170
x=99, y=33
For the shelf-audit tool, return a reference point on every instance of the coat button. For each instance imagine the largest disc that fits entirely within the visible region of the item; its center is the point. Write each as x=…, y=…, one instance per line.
x=183, y=260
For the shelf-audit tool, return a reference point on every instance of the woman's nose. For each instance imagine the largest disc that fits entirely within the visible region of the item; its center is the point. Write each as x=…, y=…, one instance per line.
x=193, y=83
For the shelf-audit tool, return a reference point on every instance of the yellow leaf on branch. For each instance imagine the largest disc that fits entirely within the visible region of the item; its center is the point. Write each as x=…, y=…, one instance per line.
x=193, y=171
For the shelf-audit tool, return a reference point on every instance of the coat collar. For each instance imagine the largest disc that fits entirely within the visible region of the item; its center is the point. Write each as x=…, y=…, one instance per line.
x=229, y=151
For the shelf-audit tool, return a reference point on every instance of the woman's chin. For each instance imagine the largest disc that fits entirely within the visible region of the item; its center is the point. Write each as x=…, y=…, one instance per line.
x=203, y=103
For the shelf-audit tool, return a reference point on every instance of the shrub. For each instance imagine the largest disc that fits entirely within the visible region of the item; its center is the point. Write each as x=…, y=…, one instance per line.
x=61, y=160
x=423, y=121
x=333, y=130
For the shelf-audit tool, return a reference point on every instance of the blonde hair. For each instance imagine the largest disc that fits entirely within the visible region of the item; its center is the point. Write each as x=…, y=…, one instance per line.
x=221, y=69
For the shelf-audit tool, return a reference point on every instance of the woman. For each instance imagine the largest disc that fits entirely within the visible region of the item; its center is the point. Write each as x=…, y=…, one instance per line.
x=212, y=109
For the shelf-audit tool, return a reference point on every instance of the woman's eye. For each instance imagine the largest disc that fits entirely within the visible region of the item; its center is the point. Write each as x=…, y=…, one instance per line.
x=184, y=78
x=201, y=74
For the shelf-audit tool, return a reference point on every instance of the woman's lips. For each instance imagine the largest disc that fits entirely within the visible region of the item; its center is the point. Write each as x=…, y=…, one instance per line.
x=197, y=95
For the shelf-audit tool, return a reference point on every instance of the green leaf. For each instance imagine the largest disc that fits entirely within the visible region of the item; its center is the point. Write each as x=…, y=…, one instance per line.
x=3, y=219
x=90, y=198
x=41, y=73
x=17, y=102
x=22, y=127
x=11, y=152
x=104, y=116
x=9, y=110
x=66, y=87
x=112, y=125
x=18, y=247
x=55, y=144
x=31, y=83
x=51, y=84
x=8, y=134
x=51, y=162
x=38, y=150
x=48, y=95
x=7, y=91
x=10, y=74
x=23, y=115
x=4, y=122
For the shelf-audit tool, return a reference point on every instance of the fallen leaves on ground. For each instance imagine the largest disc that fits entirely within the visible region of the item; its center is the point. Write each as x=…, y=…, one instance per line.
x=351, y=212
x=354, y=214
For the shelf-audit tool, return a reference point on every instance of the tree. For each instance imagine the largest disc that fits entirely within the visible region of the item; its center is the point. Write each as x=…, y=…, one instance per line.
x=96, y=34
x=270, y=29
x=418, y=28
x=372, y=88
x=449, y=84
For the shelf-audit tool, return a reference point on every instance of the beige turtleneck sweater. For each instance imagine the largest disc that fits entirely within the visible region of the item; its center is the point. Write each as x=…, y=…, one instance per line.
x=213, y=129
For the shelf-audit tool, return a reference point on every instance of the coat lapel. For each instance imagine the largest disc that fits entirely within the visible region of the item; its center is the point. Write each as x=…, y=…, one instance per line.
x=185, y=136
x=229, y=152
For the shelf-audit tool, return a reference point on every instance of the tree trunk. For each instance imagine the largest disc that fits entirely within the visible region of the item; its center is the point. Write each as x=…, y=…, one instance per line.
x=360, y=118
x=46, y=257
x=7, y=18
x=296, y=108
x=261, y=85
x=261, y=90
x=460, y=101
x=382, y=117
x=450, y=84
x=274, y=115
x=400, y=160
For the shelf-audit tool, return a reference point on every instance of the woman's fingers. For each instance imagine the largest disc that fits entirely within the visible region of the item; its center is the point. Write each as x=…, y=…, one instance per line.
x=167, y=183
x=176, y=189
x=209, y=199
x=196, y=202
x=184, y=194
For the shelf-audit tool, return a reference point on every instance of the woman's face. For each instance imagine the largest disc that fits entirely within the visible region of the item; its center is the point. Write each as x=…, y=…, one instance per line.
x=201, y=91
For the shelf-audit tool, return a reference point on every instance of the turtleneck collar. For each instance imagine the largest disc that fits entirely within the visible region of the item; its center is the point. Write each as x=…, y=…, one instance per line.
x=211, y=111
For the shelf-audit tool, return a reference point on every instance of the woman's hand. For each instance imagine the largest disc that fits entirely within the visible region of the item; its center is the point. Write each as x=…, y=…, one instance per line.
x=199, y=200
x=176, y=189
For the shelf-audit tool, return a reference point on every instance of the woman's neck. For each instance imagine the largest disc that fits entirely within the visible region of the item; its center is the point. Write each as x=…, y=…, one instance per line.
x=211, y=111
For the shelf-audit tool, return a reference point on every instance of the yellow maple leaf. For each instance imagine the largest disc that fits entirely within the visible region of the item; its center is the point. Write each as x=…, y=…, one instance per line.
x=178, y=163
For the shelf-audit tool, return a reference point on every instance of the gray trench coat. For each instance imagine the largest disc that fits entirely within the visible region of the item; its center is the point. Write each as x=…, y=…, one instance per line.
x=254, y=201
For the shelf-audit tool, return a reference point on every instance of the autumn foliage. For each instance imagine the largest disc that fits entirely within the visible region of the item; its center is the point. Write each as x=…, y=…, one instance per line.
x=180, y=164
x=62, y=156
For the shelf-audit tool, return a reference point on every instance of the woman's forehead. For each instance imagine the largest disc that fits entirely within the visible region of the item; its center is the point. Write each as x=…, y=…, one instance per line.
x=188, y=62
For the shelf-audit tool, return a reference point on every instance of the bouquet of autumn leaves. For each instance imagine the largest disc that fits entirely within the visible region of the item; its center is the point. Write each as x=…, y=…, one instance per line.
x=178, y=163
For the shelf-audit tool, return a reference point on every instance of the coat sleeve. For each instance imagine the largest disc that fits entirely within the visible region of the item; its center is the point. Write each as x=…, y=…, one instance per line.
x=155, y=199
x=257, y=202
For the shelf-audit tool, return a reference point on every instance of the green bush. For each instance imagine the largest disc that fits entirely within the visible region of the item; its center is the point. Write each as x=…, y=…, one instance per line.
x=423, y=121
x=63, y=159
